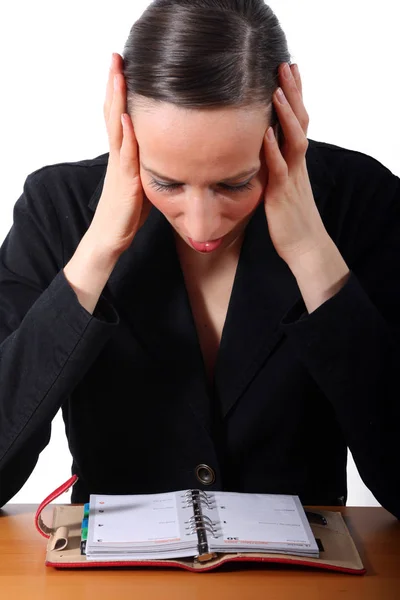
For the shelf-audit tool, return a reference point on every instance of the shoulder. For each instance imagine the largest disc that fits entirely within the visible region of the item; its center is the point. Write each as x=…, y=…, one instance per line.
x=85, y=174
x=56, y=200
x=363, y=195
x=61, y=193
x=347, y=166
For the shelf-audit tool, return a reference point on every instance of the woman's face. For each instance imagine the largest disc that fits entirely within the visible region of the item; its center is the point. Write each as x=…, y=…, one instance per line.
x=191, y=165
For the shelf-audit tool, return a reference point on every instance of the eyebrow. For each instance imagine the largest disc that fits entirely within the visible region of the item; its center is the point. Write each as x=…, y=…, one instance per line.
x=252, y=170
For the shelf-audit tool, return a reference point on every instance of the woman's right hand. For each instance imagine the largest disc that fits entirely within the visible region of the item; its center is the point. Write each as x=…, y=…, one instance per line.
x=123, y=207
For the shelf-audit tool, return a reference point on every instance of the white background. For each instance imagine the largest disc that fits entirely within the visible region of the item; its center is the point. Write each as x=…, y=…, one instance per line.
x=54, y=60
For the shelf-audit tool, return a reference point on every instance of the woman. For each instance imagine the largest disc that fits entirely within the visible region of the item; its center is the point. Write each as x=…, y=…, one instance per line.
x=214, y=302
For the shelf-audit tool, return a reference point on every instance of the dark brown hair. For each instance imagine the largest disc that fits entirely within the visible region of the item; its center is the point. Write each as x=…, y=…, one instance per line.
x=205, y=53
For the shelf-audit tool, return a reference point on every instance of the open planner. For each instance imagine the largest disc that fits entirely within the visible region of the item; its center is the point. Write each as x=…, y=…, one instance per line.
x=195, y=523
x=195, y=529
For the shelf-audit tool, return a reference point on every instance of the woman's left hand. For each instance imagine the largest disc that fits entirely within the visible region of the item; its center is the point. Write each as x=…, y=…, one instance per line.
x=294, y=223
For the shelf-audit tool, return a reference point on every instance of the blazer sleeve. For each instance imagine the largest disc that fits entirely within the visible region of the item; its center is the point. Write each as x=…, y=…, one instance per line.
x=351, y=343
x=47, y=339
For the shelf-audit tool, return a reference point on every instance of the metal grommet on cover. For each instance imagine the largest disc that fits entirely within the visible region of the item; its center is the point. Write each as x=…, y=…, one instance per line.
x=205, y=474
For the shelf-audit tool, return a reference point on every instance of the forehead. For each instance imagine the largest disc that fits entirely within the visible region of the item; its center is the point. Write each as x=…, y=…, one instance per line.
x=170, y=137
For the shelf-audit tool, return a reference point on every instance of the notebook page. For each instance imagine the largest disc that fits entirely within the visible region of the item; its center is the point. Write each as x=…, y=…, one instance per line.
x=147, y=519
x=267, y=521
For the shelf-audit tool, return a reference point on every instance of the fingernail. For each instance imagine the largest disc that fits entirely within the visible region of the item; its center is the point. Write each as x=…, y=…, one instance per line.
x=281, y=96
x=115, y=82
x=287, y=72
x=296, y=71
x=112, y=60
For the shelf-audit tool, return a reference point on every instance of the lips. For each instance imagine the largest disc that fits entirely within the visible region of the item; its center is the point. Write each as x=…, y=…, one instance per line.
x=206, y=246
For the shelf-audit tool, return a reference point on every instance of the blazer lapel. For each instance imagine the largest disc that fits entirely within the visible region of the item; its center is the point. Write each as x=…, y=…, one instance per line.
x=264, y=290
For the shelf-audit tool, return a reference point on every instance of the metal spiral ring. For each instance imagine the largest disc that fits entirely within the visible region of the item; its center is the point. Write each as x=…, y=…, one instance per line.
x=194, y=524
x=204, y=498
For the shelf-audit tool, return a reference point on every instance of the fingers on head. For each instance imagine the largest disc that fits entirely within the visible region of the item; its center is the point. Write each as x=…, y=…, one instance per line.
x=118, y=106
x=129, y=159
x=109, y=94
x=115, y=68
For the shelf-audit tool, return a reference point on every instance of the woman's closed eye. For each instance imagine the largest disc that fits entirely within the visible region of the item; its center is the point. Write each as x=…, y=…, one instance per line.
x=161, y=187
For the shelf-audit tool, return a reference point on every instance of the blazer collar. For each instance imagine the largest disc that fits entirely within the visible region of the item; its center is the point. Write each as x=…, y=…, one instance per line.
x=148, y=290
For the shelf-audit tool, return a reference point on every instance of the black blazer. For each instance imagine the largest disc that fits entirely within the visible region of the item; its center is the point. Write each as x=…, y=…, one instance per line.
x=291, y=391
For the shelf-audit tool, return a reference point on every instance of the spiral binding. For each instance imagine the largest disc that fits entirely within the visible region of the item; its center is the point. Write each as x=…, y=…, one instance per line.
x=202, y=496
x=200, y=523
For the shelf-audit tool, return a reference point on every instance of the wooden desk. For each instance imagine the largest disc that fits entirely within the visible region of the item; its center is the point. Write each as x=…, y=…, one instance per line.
x=23, y=575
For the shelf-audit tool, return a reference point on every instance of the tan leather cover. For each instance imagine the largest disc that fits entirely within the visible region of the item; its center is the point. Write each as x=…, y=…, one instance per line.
x=340, y=552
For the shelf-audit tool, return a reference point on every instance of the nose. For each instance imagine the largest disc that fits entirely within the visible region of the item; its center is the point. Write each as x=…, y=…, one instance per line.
x=202, y=218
